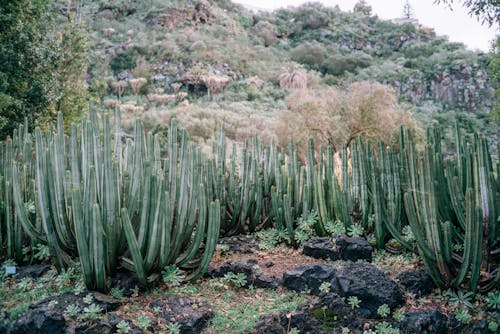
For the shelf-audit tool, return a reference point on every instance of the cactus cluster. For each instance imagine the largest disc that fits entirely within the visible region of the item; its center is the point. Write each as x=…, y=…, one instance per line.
x=143, y=204
x=110, y=202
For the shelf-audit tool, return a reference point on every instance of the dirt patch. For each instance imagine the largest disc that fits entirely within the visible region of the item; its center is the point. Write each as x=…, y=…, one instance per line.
x=272, y=263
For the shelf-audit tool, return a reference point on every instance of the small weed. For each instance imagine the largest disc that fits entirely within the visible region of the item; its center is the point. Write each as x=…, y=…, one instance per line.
x=236, y=280
x=88, y=299
x=386, y=328
x=398, y=315
x=493, y=326
x=122, y=327
x=117, y=293
x=493, y=300
x=335, y=227
x=173, y=328
x=325, y=287
x=172, y=276
x=354, y=302
x=72, y=311
x=92, y=312
x=355, y=230
x=41, y=252
x=463, y=316
x=143, y=322
x=383, y=311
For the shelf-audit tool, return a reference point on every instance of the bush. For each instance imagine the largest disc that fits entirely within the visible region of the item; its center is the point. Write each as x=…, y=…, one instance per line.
x=335, y=117
x=123, y=61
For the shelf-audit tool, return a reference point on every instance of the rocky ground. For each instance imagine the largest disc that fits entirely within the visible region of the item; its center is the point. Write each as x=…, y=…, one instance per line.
x=337, y=285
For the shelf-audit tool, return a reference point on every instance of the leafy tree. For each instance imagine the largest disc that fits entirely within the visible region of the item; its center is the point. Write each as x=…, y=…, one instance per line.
x=41, y=66
x=486, y=10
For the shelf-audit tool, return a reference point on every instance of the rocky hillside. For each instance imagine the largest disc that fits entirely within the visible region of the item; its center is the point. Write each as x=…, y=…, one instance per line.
x=201, y=51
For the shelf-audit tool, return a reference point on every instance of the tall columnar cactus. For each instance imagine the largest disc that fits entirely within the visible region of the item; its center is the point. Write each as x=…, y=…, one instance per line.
x=470, y=182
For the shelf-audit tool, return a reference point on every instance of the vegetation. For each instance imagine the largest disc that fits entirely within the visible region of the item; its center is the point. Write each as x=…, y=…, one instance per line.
x=302, y=122
x=43, y=62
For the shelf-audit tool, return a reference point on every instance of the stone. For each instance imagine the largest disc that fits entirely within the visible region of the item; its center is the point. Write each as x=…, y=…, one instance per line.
x=354, y=249
x=61, y=302
x=340, y=247
x=425, y=321
x=417, y=282
x=269, y=324
x=322, y=248
x=107, y=325
x=127, y=282
x=4, y=318
x=32, y=271
x=39, y=321
x=191, y=315
x=282, y=322
x=308, y=277
x=372, y=287
x=253, y=273
x=242, y=243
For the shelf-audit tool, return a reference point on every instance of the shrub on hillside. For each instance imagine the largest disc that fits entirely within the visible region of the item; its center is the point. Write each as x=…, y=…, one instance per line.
x=333, y=116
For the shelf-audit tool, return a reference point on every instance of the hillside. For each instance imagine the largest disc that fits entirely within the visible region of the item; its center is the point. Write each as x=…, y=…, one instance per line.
x=228, y=60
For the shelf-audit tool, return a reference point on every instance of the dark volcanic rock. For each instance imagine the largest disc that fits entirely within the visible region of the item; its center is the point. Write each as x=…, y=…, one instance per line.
x=4, y=317
x=372, y=287
x=417, y=282
x=191, y=315
x=308, y=277
x=108, y=325
x=354, y=249
x=39, y=321
x=279, y=323
x=127, y=282
x=251, y=269
x=269, y=324
x=31, y=271
x=339, y=248
x=61, y=302
x=322, y=248
x=240, y=243
x=426, y=321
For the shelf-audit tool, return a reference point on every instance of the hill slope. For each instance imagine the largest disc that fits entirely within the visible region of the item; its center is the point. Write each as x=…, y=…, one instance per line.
x=227, y=60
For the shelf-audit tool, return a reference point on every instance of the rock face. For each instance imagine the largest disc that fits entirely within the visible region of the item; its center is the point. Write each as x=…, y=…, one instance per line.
x=417, y=282
x=308, y=277
x=427, y=321
x=191, y=315
x=253, y=273
x=339, y=248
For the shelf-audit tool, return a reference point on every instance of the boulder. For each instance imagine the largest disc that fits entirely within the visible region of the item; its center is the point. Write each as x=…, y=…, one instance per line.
x=191, y=315
x=32, y=271
x=308, y=277
x=339, y=247
x=372, y=287
x=253, y=273
x=425, y=321
x=240, y=243
x=417, y=282
x=39, y=321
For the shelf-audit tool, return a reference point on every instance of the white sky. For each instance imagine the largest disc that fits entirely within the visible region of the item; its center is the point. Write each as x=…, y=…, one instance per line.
x=456, y=24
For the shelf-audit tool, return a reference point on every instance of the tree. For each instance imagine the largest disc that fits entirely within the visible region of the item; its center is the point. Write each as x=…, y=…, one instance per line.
x=407, y=10
x=363, y=7
x=335, y=117
x=488, y=11
x=42, y=64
